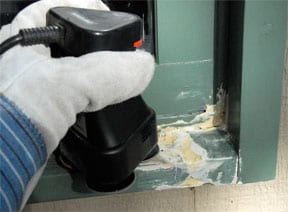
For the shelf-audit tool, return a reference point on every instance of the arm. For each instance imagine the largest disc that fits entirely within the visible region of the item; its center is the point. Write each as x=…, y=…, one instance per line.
x=22, y=153
x=45, y=94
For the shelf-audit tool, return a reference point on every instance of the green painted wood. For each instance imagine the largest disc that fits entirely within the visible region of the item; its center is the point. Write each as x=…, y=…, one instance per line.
x=263, y=58
x=185, y=30
x=58, y=184
x=218, y=167
x=180, y=91
x=183, y=82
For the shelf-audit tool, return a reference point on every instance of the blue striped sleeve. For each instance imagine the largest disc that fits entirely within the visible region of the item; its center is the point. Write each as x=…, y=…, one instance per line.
x=22, y=153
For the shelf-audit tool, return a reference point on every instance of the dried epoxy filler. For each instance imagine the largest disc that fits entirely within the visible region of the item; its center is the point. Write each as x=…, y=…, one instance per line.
x=197, y=151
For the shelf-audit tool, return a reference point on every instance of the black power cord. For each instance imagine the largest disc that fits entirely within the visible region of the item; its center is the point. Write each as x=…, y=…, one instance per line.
x=10, y=42
x=33, y=36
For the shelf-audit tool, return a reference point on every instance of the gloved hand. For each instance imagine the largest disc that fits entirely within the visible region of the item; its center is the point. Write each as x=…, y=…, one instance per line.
x=52, y=91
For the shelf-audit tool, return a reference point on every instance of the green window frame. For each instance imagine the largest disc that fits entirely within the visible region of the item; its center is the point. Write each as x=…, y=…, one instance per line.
x=228, y=55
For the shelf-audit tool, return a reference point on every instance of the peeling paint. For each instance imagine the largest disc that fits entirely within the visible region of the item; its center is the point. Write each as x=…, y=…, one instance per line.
x=175, y=116
x=191, y=182
x=188, y=182
x=188, y=94
x=187, y=62
x=180, y=150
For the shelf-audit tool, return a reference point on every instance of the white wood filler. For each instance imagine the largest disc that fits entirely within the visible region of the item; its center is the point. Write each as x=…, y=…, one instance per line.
x=179, y=150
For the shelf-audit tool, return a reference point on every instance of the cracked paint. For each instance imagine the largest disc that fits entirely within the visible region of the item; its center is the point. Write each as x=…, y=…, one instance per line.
x=178, y=148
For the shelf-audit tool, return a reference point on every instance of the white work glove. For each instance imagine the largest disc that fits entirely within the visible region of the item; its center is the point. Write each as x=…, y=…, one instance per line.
x=52, y=91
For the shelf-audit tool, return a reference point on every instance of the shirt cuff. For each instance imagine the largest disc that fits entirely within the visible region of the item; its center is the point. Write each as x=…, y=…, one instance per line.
x=22, y=153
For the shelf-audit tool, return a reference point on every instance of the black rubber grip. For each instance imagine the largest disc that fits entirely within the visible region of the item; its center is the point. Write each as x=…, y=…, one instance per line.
x=41, y=35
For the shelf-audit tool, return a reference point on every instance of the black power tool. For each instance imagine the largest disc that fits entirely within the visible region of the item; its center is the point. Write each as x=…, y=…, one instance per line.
x=106, y=146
